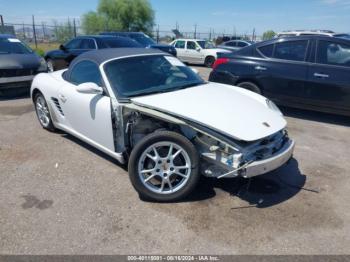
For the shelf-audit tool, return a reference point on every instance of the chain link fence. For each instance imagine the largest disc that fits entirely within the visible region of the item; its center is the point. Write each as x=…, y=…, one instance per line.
x=48, y=35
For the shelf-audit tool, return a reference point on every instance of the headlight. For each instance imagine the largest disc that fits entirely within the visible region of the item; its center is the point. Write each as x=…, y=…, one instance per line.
x=43, y=65
x=273, y=106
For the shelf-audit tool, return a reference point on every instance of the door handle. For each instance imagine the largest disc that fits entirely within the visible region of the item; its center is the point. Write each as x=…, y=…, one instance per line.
x=260, y=68
x=320, y=75
x=62, y=98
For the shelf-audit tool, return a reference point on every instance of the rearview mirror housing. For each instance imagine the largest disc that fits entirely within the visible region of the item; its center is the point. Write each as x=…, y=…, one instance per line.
x=89, y=88
x=63, y=48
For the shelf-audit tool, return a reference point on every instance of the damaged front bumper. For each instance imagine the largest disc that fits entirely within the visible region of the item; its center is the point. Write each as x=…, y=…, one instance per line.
x=281, y=157
x=257, y=159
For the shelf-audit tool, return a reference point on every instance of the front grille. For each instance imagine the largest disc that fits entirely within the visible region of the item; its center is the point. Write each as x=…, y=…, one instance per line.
x=16, y=72
x=58, y=106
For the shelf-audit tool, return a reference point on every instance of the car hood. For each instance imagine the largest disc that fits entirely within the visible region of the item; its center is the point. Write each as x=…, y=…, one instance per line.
x=19, y=61
x=230, y=110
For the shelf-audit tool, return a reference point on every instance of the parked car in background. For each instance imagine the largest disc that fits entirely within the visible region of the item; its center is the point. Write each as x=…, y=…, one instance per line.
x=61, y=58
x=197, y=51
x=18, y=64
x=311, y=72
x=145, y=41
x=136, y=105
x=312, y=32
x=235, y=45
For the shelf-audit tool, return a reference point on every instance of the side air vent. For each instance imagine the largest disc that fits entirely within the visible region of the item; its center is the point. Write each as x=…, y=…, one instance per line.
x=55, y=100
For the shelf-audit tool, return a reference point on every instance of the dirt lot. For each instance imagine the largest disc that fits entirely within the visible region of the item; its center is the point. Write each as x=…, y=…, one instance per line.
x=60, y=196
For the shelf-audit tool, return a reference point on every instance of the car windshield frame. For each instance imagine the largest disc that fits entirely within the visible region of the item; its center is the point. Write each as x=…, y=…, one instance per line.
x=174, y=63
x=12, y=42
x=207, y=44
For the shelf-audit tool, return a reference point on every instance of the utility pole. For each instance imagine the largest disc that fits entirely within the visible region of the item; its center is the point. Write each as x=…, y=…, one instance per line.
x=253, y=36
x=158, y=33
x=195, y=31
x=24, y=32
x=34, y=33
x=43, y=27
x=1, y=20
x=74, y=28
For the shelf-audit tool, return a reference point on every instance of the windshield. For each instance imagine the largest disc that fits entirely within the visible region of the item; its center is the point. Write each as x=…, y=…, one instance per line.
x=120, y=42
x=206, y=44
x=144, y=40
x=142, y=75
x=13, y=46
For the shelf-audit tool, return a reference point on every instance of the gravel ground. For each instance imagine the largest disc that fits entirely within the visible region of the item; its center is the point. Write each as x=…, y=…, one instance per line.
x=61, y=196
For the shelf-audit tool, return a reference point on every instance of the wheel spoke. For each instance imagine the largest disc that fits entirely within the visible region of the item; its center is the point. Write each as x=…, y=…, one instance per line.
x=39, y=106
x=162, y=186
x=180, y=174
x=156, y=155
x=171, y=147
x=148, y=171
x=170, y=185
x=177, y=153
x=181, y=167
x=150, y=177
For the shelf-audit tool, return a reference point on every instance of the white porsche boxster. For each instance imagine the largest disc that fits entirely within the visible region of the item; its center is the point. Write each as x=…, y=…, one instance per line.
x=146, y=108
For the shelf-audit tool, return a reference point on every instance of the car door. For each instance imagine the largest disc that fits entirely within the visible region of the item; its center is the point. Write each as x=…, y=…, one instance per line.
x=79, y=46
x=283, y=70
x=67, y=53
x=87, y=116
x=329, y=78
x=194, y=52
x=180, y=49
x=232, y=45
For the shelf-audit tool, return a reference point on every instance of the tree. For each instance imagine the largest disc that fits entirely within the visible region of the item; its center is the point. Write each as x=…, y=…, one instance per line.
x=269, y=35
x=119, y=15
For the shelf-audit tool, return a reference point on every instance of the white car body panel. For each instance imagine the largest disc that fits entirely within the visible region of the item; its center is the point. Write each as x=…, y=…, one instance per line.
x=196, y=56
x=86, y=116
x=232, y=111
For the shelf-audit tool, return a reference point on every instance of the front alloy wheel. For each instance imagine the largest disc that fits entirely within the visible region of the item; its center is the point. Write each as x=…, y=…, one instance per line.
x=42, y=112
x=164, y=166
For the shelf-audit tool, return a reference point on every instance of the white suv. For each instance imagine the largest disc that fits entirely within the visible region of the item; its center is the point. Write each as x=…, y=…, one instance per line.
x=197, y=51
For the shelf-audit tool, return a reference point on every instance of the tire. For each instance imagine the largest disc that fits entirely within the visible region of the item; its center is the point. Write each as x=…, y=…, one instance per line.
x=43, y=113
x=209, y=61
x=163, y=182
x=250, y=86
x=50, y=65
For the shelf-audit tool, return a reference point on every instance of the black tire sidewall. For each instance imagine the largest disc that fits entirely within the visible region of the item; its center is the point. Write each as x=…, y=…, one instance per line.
x=159, y=137
x=250, y=86
x=209, y=61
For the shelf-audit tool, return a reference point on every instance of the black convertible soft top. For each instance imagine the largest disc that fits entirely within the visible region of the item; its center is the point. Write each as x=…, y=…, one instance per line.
x=102, y=55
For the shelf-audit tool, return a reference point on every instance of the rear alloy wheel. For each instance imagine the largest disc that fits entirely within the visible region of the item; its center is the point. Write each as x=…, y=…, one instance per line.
x=250, y=86
x=43, y=113
x=209, y=61
x=164, y=167
x=50, y=65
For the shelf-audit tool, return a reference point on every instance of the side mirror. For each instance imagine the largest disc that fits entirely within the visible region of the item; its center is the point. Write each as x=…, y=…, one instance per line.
x=89, y=88
x=63, y=48
x=198, y=49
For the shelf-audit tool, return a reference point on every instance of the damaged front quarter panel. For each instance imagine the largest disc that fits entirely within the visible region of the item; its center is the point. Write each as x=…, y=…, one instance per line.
x=221, y=156
x=218, y=157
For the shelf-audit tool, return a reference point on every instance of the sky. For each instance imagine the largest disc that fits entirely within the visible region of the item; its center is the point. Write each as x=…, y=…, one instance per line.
x=224, y=16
